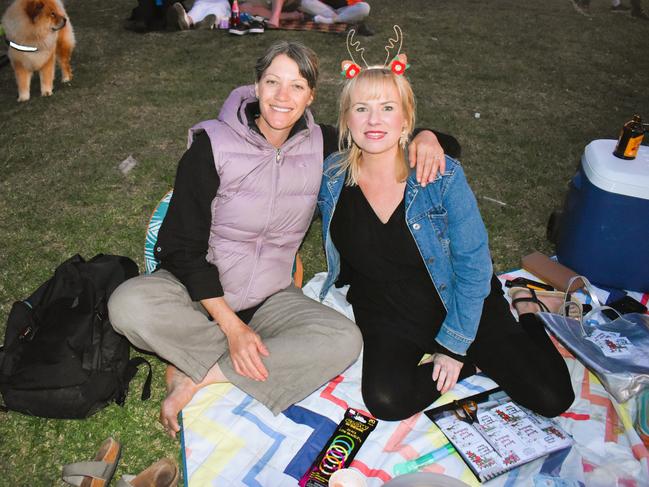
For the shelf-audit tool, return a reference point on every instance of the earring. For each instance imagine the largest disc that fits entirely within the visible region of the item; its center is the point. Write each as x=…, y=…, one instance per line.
x=403, y=140
x=350, y=142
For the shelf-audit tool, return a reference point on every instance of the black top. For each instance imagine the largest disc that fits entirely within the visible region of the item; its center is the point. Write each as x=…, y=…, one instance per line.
x=390, y=288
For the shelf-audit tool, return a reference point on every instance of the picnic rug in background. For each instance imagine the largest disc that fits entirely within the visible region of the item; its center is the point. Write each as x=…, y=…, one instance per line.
x=229, y=439
x=336, y=28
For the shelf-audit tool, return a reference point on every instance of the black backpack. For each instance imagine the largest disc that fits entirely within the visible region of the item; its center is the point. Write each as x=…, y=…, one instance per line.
x=61, y=357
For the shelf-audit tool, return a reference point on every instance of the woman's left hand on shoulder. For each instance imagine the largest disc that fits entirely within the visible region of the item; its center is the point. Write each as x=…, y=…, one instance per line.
x=446, y=371
x=425, y=152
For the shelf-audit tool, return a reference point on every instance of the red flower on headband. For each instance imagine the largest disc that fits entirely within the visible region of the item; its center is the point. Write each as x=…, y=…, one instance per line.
x=398, y=67
x=352, y=70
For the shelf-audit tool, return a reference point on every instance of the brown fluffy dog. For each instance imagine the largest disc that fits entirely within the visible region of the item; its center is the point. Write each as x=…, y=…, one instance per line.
x=38, y=32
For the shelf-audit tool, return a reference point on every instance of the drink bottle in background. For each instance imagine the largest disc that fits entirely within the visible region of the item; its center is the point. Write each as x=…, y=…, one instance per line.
x=630, y=138
x=235, y=18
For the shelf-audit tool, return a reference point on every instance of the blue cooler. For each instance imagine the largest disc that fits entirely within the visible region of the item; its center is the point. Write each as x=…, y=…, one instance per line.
x=603, y=233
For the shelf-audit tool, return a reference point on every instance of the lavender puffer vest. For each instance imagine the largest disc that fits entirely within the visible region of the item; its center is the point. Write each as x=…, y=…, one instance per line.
x=264, y=204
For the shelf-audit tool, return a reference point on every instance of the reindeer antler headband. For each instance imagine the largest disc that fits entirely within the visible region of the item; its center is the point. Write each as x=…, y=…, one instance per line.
x=398, y=65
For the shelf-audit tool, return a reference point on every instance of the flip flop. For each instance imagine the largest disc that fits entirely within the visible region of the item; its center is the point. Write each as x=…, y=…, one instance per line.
x=163, y=473
x=95, y=473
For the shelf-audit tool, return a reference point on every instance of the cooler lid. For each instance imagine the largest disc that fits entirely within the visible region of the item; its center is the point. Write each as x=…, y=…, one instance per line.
x=615, y=175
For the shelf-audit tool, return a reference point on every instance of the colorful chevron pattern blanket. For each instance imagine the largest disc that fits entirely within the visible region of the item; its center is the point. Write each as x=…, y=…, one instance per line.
x=231, y=440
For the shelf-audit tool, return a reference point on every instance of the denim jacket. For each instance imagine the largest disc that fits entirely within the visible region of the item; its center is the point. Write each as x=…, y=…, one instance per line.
x=445, y=222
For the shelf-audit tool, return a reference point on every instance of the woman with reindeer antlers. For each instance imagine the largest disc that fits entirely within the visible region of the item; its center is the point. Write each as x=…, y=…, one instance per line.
x=418, y=263
x=222, y=306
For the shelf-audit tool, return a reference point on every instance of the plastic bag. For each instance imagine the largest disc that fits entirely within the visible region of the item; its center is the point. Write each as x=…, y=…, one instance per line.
x=616, y=351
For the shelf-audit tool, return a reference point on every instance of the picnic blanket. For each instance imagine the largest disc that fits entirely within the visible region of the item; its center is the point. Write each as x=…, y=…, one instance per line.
x=231, y=440
x=338, y=27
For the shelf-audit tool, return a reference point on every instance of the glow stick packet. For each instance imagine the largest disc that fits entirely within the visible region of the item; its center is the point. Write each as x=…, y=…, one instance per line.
x=340, y=449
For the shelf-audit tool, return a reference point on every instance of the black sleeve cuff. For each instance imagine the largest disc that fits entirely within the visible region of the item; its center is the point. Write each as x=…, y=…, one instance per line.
x=445, y=351
x=203, y=284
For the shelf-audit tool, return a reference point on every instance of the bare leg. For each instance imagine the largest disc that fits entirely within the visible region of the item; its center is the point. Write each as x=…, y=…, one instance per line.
x=275, y=12
x=180, y=390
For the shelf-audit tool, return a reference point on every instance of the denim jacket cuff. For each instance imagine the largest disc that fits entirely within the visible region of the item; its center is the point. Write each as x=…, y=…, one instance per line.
x=452, y=341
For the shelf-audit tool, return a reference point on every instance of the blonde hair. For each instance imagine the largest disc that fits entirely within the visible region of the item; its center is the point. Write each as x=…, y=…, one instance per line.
x=372, y=81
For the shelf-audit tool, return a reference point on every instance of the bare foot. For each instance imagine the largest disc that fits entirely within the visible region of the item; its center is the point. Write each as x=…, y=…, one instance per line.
x=180, y=390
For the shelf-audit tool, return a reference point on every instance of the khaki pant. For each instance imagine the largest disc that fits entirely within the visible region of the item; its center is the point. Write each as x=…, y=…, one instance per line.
x=308, y=342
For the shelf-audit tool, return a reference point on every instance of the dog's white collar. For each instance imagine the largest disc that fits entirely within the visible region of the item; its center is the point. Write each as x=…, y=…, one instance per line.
x=20, y=47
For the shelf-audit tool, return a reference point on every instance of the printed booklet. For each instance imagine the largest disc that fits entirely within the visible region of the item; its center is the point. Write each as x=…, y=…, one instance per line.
x=494, y=438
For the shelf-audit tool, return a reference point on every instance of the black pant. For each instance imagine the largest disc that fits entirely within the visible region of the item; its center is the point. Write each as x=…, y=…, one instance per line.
x=520, y=357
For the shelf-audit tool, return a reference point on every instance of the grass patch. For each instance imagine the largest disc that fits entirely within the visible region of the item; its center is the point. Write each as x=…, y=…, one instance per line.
x=544, y=79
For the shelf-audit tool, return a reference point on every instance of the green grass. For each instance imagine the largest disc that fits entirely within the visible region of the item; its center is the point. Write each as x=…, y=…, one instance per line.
x=544, y=79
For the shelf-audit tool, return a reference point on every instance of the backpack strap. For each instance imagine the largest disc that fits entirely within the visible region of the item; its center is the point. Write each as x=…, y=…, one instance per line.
x=129, y=373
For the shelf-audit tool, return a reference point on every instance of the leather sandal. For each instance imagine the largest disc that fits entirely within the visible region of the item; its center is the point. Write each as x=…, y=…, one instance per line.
x=97, y=472
x=536, y=297
x=163, y=473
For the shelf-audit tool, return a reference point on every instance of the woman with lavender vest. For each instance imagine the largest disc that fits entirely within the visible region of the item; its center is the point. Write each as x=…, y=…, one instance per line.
x=222, y=306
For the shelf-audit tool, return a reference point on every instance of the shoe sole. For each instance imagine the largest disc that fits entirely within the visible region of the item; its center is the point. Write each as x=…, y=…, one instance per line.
x=256, y=31
x=180, y=11
x=238, y=32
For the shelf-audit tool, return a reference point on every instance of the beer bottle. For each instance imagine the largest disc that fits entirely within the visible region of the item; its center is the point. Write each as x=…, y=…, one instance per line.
x=630, y=139
x=235, y=18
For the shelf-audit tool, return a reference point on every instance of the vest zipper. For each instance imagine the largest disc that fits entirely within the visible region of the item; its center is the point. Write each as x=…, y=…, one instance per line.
x=271, y=206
